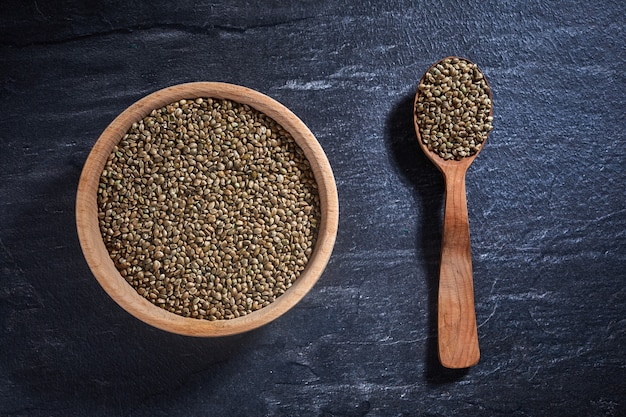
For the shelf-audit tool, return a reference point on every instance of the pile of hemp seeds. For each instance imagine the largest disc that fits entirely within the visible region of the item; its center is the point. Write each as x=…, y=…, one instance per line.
x=453, y=109
x=208, y=208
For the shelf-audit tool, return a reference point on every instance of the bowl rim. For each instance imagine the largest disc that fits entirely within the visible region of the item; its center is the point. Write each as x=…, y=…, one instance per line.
x=100, y=262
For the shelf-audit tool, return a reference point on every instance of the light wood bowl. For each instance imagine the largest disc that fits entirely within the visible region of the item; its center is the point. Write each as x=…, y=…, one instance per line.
x=101, y=263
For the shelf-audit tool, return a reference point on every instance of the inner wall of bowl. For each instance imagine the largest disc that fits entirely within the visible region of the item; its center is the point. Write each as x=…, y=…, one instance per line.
x=125, y=295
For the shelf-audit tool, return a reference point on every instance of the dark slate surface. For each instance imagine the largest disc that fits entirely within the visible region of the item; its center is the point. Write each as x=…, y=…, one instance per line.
x=547, y=209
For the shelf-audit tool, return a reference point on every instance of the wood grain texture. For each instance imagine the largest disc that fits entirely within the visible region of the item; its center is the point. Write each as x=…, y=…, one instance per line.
x=456, y=331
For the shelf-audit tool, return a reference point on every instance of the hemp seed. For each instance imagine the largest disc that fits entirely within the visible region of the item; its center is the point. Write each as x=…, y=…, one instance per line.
x=453, y=109
x=208, y=208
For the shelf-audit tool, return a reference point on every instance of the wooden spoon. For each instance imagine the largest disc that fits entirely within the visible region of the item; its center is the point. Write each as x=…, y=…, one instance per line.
x=457, y=332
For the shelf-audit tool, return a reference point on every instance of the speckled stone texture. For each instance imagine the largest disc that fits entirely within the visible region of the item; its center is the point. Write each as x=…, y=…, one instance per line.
x=546, y=198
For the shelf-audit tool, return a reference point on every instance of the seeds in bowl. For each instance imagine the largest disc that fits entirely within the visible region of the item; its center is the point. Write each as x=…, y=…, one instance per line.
x=453, y=109
x=208, y=208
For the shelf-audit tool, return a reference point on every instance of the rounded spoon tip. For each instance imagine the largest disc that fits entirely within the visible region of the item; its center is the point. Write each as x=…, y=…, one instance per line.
x=444, y=78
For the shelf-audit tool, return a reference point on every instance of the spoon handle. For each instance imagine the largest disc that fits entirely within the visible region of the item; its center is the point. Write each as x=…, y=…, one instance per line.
x=457, y=333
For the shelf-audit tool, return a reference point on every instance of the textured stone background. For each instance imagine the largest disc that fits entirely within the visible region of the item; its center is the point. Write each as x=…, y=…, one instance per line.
x=546, y=197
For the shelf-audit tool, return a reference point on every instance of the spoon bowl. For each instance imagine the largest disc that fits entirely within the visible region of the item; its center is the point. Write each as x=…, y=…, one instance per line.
x=456, y=330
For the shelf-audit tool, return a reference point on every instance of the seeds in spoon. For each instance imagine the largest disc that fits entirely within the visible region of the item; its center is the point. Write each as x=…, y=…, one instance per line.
x=453, y=109
x=208, y=208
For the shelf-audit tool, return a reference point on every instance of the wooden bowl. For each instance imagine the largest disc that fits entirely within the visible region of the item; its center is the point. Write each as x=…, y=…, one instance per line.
x=123, y=293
